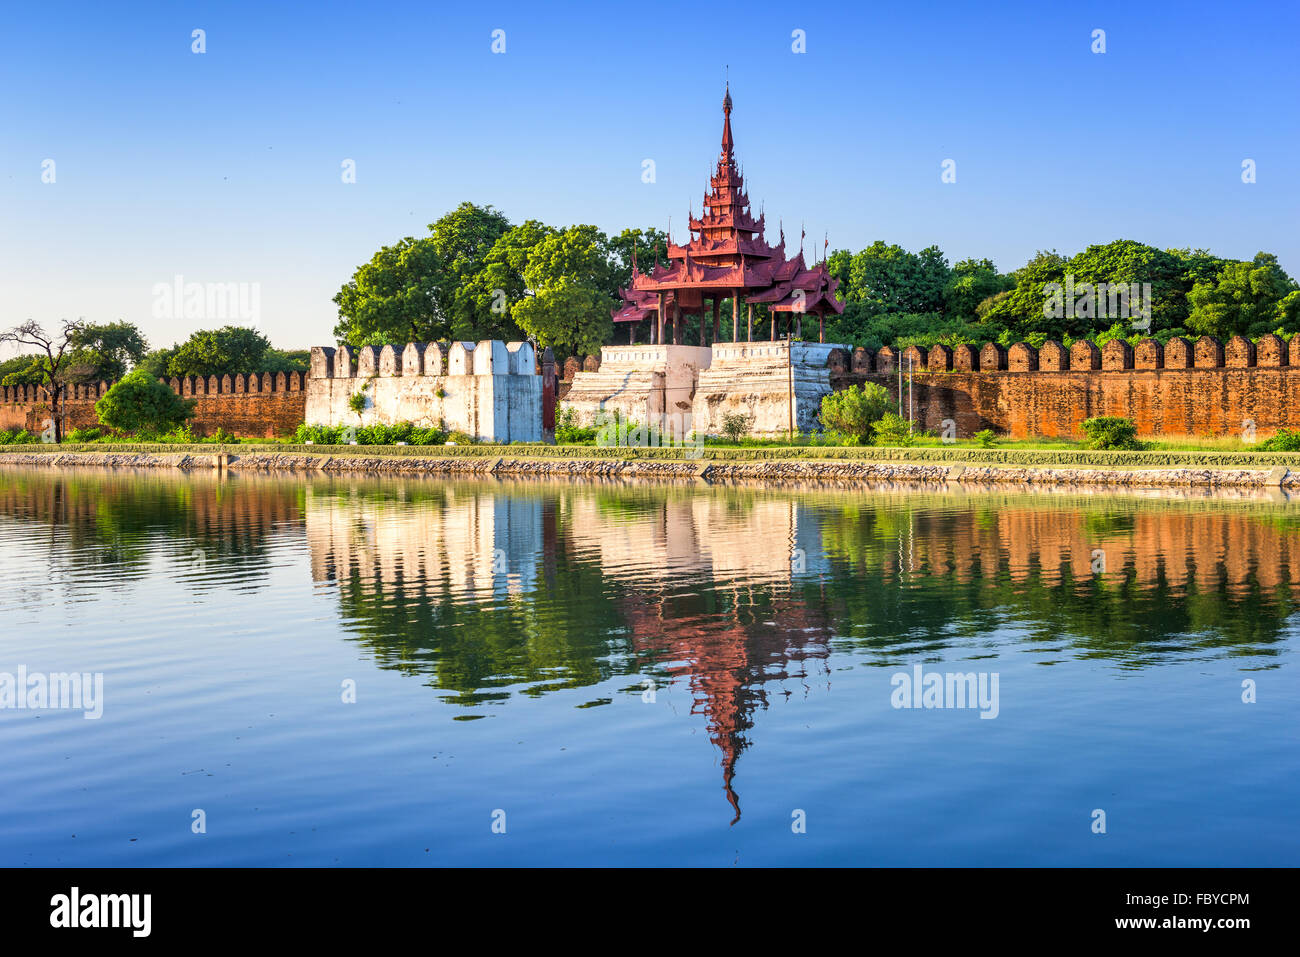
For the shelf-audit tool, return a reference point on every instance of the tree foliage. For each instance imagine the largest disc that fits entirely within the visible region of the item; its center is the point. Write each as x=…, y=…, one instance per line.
x=223, y=351
x=491, y=294
x=889, y=296
x=103, y=352
x=1246, y=299
x=52, y=364
x=418, y=290
x=851, y=413
x=570, y=275
x=476, y=276
x=140, y=403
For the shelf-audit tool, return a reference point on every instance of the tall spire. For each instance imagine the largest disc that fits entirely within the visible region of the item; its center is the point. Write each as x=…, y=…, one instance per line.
x=727, y=143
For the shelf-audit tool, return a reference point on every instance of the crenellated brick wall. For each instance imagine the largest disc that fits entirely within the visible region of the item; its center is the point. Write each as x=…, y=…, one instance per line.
x=1182, y=388
x=261, y=405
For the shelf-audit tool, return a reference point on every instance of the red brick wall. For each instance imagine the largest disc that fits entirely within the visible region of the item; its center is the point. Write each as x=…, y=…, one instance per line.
x=262, y=406
x=1215, y=397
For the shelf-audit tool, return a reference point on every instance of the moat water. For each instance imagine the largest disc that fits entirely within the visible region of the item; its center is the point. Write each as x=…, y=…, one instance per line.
x=351, y=671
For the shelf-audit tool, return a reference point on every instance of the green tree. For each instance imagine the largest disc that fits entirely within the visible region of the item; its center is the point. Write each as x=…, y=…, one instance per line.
x=1020, y=309
x=569, y=273
x=461, y=240
x=140, y=403
x=391, y=299
x=1127, y=261
x=851, y=413
x=971, y=282
x=24, y=369
x=418, y=290
x=887, y=278
x=53, y=364
x=103, y=352
x=155, y=361
x=278, y=360
x=840, y=265
x=488, y=298
x=648, y=244
x=223, y=351
x=1246, y=299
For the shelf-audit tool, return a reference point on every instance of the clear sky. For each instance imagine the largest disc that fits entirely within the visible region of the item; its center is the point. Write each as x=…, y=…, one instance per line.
x=226, y=166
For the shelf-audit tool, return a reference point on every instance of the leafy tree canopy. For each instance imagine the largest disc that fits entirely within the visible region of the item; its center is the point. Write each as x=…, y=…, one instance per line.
x=103, y=352
x=140, y=403
x=487, y=301
x=1246, y=299
x=570, y=275
x=476, y=276
x=414, y=291
x=223, y=351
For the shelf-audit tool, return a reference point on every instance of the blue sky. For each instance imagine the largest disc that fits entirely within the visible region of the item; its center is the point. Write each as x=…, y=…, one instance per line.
x=226, y=166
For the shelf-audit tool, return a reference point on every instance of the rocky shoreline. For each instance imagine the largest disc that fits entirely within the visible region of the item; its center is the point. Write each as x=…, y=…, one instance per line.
x=839, y=471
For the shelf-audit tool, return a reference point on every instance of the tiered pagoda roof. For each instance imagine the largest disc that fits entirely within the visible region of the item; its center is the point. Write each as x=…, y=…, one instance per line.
x=727, y=255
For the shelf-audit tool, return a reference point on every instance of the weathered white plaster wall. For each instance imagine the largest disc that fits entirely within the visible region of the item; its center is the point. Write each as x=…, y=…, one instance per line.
x=644, y=382
x=490, y=389
x=768, y=380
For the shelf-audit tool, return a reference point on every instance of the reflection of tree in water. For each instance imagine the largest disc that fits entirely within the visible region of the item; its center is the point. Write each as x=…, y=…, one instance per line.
x=95, y=518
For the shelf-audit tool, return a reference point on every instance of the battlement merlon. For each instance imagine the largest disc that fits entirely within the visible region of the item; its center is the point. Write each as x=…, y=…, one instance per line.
x=486, y=357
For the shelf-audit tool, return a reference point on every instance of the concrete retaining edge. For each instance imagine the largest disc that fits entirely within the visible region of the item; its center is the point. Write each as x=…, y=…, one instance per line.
x=686, y=470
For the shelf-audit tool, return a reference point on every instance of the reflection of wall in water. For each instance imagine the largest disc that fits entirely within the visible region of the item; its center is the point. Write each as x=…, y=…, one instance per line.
x=473, y=541
x=1186, y=549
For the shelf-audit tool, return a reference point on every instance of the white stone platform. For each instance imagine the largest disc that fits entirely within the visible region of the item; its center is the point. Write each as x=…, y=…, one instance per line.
x=778, y=383
x=644, y=383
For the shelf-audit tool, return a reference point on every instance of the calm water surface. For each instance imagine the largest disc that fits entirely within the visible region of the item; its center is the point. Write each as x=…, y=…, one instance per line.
x=644, y=674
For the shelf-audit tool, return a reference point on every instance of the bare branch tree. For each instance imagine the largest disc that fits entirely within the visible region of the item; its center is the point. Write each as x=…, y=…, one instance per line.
x=55, y=367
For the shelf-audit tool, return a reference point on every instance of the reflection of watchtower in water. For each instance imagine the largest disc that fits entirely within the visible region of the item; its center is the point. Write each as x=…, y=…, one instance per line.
x=730, y=668
x=751, y=552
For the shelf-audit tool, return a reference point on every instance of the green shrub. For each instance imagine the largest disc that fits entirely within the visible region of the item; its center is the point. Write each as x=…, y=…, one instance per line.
x=985, y=438
x=84, y=435
x=406, y=432
x=1284, y=440
x=357, y=401
x=567, y=429
x=140, y=403
x=853, y=412
x=17, y=437
x=428, y=436
x=892, y=429
x=736, y=425
x=1111, y=432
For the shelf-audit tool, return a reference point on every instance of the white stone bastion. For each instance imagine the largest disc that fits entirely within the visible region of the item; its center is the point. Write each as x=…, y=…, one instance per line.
x=488, y=389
